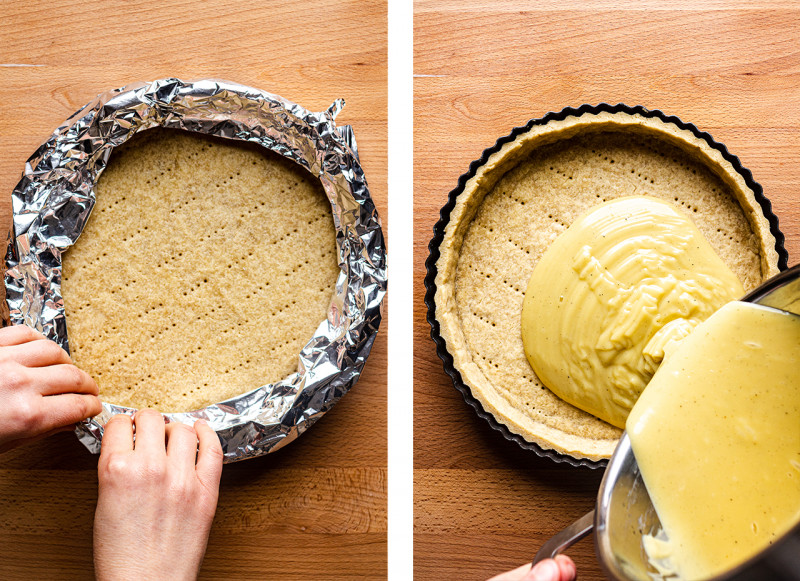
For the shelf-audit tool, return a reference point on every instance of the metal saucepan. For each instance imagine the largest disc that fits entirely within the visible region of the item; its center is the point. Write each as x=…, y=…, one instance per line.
x=624, y=513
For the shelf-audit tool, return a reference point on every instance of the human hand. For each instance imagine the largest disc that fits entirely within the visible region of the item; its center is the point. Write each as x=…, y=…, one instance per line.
x=562, y=568
x=41, y=392
x=156, y=502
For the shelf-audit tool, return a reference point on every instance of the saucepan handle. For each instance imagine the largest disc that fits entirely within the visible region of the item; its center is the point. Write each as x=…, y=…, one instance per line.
x=566, y=538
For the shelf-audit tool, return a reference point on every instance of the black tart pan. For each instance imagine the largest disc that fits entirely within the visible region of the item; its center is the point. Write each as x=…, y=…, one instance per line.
x=444, y=219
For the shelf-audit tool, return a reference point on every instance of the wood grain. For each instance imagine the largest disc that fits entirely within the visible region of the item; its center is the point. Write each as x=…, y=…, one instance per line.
x=483, y=505
x=316, y=509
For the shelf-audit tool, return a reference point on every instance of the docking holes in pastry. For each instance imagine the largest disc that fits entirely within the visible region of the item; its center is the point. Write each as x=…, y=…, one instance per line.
x=534, y=202
x=202, y=272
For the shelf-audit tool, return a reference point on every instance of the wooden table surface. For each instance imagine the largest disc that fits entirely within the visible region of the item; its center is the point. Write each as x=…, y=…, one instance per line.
x=483, y=505
x=316, y=509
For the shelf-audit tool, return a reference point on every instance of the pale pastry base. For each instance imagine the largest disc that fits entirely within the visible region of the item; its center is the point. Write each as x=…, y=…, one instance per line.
x=205, y=267
x=522, y=199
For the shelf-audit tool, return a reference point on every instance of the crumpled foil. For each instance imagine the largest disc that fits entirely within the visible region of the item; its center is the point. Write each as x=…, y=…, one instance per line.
x=55, y=196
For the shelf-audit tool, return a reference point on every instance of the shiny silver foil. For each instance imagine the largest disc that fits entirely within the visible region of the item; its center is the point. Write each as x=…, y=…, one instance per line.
x=55, y=196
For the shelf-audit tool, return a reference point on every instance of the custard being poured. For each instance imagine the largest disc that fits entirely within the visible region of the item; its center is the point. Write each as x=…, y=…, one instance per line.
x=716, y=434
x=623, y=284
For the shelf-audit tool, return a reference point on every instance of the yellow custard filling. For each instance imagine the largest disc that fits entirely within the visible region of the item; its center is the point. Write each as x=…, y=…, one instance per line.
x=716, y=435
x=617, y=289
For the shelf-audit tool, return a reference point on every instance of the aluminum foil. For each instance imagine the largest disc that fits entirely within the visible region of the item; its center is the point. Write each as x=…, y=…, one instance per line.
x=55, y=196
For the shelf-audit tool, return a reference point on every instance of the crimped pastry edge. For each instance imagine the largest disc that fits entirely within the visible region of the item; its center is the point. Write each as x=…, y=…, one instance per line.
x=486, y=175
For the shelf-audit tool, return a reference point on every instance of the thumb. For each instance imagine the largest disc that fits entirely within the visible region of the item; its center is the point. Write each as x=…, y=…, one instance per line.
x=559, y=569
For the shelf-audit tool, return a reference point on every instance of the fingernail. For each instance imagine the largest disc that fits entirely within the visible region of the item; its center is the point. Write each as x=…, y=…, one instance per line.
x=547, y=570
x=201, y=422
x=565, y=564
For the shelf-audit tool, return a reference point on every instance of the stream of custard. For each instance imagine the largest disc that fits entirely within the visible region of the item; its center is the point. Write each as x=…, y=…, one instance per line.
x=632, y=295
x=716, y=434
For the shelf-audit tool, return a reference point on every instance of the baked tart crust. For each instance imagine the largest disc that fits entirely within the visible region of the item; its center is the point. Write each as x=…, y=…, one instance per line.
x=225, y=279
x=529, y=191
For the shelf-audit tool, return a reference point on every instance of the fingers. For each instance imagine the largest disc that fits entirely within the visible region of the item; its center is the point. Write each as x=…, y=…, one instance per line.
x=37, y=353
x=209, y=457
x=516, y=575
x=182, y=442
x=559, y=569
x=18, y=334
x=62, y=378
x=562, y=568
x=181, y=446
x=566, y=567
x=59, y=411
x=118, y=434
x=150, y=433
